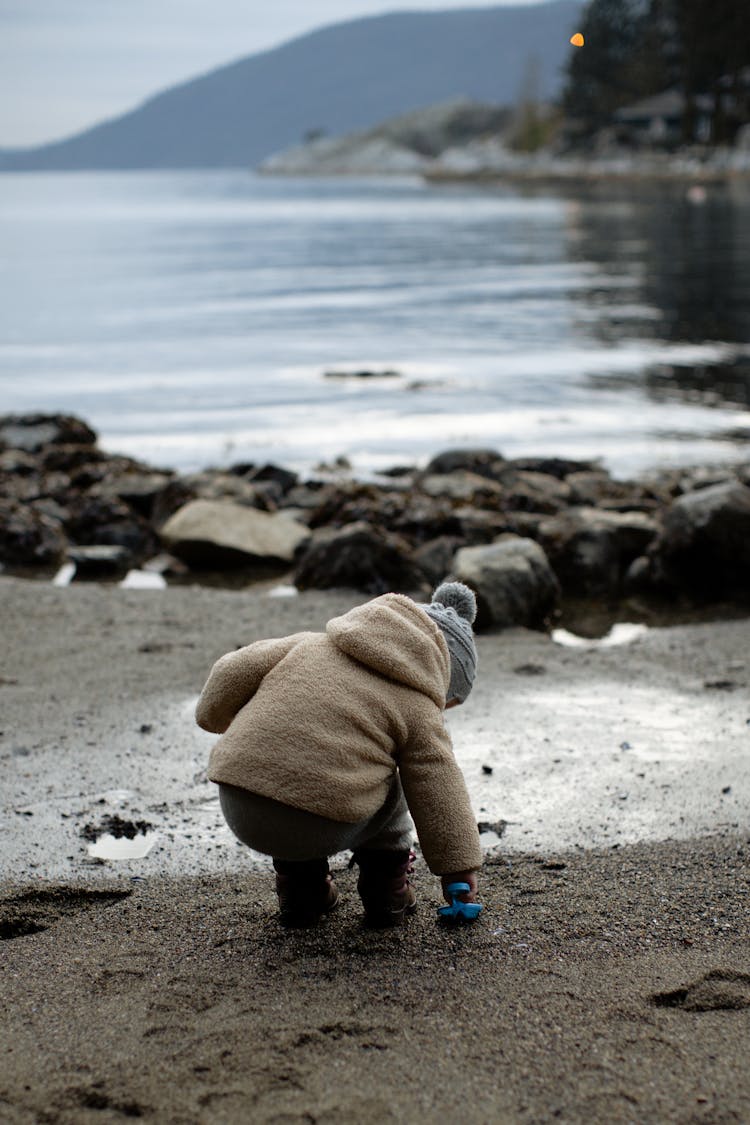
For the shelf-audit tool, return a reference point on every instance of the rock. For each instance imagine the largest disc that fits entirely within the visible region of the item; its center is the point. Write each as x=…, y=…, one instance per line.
x=269, y=495
x=703, y=476
x=50, y=507
x=412, y=514
x=15, y=462
x=525, y=524
x=513, y=581
x=358, y=556
x=31, y=432
x=365, y=373
x=56, y=486
x=139, y=489
x=275, y=474
x=28, y=537
x=590, y=550
x=214, y=485
x=704, y=545
x=596, y=488
x=398, y=471
x=559, y=467
x=422, y=518
x=476, y=525
x=462, y=485
x=533, y=492
x=435, y=557
x=172, y=497
x=351, y=501
x=218, y=533
x=95, y=520
x=67, y=456
x=306, y=496
x=481, y=461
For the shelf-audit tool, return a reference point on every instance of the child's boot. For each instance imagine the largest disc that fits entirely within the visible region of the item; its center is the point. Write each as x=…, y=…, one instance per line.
x=384, y=887
x=306, y=890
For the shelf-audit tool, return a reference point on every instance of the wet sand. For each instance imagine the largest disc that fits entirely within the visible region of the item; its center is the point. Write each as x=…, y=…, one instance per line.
x=607, y=980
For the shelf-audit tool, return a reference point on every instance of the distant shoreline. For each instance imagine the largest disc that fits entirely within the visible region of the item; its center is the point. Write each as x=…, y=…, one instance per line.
x=549, y=177
x=566, y=171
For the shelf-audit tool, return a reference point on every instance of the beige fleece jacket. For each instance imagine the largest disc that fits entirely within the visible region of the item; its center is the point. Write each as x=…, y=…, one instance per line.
x=321, y=721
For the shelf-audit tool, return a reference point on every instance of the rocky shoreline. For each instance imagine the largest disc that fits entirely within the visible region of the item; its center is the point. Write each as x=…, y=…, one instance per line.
x=527, y=534
x=462, y=141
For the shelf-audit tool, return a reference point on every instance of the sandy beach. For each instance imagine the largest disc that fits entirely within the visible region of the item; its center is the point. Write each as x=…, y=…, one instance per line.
x=608, y=978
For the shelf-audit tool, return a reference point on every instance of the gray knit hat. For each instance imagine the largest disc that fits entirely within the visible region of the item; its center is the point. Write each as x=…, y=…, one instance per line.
x=453, y=608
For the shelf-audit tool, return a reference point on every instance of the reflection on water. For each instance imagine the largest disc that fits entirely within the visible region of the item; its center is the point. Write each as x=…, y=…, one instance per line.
x=623, y=633
x=108, y=846
x=691, y=262
x=717, y=384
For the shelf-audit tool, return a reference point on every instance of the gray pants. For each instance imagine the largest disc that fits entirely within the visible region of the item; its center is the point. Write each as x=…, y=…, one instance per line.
x=283, y=832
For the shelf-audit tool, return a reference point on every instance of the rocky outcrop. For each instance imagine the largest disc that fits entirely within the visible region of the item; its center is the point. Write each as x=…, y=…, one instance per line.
x=540, y=527
x=62, y=498
x=346, y=156
x=408, y=144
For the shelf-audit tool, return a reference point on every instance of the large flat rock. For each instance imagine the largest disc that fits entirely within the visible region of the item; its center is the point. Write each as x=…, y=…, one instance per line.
x=218, y=532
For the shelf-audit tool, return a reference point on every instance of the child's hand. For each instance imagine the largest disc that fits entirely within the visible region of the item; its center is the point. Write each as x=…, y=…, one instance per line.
x=469, y=877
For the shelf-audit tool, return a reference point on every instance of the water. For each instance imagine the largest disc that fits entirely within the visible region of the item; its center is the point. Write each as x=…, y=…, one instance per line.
x=191, y=318
x=108, y=846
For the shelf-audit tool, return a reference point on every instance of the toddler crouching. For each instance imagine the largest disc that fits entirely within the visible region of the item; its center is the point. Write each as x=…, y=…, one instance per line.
x=329, y=741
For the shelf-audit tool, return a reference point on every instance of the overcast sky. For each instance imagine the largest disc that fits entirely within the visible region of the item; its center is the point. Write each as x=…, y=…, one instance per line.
x=67, y=64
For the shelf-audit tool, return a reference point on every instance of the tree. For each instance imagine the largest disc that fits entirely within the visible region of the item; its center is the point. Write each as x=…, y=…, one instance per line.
x=533, y=123
x=617, y=64
x=635, y=48
x=706, y=46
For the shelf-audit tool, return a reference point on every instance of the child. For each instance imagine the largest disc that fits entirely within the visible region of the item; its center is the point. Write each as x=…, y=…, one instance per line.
x=329, y=741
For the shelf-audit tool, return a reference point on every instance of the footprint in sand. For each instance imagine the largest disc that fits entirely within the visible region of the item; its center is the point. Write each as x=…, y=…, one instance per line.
x=719, y=990
x=34, y=911
x=96, y=1097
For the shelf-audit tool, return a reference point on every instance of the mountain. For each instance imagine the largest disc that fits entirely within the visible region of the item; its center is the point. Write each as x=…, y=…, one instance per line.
x=338, y=79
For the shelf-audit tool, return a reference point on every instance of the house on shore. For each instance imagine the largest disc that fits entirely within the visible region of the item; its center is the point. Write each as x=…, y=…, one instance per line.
x=660, y=121
x=657, y=122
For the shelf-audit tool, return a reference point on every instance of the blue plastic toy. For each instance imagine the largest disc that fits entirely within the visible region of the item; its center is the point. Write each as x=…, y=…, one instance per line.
x=459, y=911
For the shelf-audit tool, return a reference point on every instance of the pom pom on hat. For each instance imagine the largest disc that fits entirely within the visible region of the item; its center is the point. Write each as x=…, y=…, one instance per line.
x=453, y=609
x=459, y=597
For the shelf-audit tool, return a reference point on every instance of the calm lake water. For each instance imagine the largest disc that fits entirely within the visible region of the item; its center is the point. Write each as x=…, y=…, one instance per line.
x=192, y=318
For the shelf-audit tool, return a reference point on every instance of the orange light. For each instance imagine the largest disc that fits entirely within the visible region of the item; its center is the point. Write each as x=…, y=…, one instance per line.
x=577, y=40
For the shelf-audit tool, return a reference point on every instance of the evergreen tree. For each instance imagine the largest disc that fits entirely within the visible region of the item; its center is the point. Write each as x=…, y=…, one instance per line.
x=635, y=48
x=614, y=67
x=706, y=44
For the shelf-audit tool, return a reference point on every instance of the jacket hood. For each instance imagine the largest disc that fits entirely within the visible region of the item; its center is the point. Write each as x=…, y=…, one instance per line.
x=395, y=637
